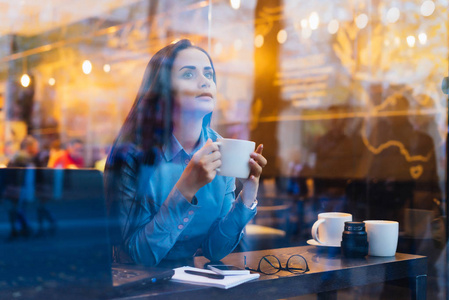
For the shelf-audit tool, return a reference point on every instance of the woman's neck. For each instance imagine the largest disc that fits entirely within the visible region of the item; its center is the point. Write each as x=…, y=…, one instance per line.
x=187, y=131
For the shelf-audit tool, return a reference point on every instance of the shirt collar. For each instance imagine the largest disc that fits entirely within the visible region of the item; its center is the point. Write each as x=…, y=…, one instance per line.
x=174, y=147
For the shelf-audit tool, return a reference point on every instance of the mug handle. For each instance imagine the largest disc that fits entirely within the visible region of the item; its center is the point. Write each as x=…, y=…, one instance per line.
x=315, y=230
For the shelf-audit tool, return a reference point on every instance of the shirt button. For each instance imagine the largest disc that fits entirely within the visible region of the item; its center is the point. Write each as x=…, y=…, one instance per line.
x=186, y=237
x=186, y=220
x=180, y=227
x=187, y=161
x=191, y=212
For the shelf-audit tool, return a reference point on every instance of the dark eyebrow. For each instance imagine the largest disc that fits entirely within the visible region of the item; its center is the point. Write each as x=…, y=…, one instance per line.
x=188, y=67
x=207, y=68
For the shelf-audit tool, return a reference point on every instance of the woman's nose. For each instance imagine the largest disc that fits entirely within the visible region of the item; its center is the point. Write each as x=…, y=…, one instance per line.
x=204, y=82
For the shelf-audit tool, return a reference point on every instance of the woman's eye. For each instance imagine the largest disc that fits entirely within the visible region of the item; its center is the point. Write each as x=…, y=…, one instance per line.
x=187, y=75
x=209, y=75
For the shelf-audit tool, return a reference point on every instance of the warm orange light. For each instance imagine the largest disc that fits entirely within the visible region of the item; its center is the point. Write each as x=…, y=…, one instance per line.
x=422, y=38
x=397, y=41
x=87, y=67
x=258, y=41
x=411, y=41
x=107, y=68
x=25, y=80
x=282, y=36
x=51, y=81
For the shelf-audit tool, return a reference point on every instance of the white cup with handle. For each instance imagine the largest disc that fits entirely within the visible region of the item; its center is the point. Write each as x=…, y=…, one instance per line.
x=235, y=156
x=382, y=237
x=328, y=229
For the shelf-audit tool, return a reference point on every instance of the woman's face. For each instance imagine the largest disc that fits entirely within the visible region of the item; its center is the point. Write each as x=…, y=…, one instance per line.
x=192, y=82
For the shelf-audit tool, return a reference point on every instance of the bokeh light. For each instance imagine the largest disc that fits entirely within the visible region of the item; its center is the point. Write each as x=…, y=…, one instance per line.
x=411, y=40
x=25, y=80
x=361, y=21
x=258, y=41
x=427, y=8
x=393, y=15
x=314, y=20
x=282, y=36
x=235, y=4
x=333, y=26
x=87, y=67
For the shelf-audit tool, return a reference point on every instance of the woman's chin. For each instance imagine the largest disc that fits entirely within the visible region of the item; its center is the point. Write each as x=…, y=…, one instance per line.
x=204, y=108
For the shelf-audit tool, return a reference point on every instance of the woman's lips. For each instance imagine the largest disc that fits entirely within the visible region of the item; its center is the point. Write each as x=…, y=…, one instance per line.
x=209, y=95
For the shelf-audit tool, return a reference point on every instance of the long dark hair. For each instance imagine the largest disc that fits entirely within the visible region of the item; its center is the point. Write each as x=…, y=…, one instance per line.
x=149, y=122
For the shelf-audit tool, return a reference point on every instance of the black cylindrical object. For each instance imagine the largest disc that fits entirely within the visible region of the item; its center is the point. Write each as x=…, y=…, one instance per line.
x=355, y=240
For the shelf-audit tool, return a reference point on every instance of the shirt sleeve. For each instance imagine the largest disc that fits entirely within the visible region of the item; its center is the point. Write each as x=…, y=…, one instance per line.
x=225, y=234
x=148, y=234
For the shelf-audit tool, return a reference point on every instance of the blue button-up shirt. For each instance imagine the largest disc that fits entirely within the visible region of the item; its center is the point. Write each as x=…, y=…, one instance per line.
x=158, y=222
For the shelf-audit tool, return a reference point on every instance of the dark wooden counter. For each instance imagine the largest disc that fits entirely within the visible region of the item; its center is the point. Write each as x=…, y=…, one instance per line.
x=328, y=273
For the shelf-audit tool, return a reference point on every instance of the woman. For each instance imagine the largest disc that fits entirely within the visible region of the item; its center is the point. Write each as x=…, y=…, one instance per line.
x=161, y=174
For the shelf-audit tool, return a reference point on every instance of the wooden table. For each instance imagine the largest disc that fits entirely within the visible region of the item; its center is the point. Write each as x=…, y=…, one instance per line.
x=328, y=273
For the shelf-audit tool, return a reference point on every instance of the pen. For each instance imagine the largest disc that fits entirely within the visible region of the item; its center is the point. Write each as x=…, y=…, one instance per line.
x=204, y=274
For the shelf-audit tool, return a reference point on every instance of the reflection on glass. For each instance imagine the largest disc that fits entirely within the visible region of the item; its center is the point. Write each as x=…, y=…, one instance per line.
x=325, y=101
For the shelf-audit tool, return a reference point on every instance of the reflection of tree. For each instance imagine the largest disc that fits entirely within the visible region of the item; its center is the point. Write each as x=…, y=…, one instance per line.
x=380, y=52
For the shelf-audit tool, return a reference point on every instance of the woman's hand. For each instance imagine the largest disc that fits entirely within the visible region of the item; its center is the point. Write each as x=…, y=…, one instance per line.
x=251, y=185
x=200, y=171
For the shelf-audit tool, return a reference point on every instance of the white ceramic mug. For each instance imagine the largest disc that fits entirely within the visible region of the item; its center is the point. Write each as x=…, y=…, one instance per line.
x=235, y=156
x=328, y=230
x=382, y=237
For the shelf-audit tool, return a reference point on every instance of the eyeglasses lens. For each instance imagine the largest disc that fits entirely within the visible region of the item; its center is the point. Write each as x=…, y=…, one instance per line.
x=269, y=264
x=297, y=264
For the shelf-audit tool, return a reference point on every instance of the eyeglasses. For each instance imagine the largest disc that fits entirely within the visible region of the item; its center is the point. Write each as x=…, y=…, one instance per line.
x=270, y=264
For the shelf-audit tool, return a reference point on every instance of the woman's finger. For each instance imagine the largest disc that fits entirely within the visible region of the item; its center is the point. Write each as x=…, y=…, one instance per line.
x=216, y=164
x=213, y=156
x=209, y=147
x=256, y=169
x=259, y=158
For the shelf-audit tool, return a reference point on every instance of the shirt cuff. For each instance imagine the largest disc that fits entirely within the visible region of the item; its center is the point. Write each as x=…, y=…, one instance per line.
x=253, y=205
x=176, y=211
x=237, y=218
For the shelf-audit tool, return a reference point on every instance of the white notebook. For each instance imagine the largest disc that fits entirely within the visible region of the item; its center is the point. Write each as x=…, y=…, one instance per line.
x=228, y=282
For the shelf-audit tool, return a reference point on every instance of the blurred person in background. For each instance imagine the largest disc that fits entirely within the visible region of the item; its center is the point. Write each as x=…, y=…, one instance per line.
x=70, y=158
x=54, y=152
x=28, y=155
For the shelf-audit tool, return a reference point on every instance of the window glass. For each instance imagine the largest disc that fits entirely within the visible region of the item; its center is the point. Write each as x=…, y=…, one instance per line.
x=348, y=98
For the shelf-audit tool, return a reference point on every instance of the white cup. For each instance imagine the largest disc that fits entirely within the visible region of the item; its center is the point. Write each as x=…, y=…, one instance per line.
x=328, y=230
x=235, y=156
x=382, y=237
